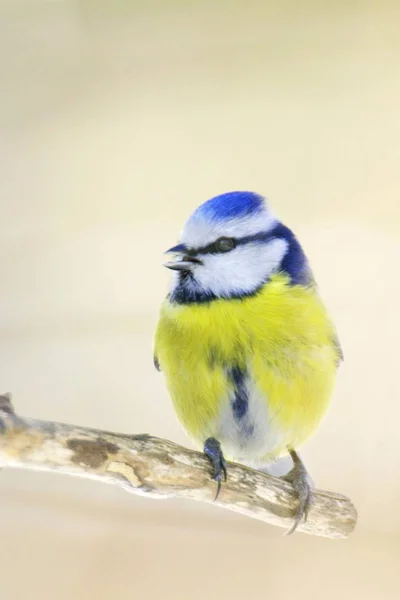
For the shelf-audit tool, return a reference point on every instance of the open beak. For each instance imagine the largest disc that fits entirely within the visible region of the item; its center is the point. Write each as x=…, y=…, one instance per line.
x=182, y=260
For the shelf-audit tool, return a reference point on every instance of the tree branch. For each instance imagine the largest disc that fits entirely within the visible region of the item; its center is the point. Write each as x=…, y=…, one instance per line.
x=144, y=464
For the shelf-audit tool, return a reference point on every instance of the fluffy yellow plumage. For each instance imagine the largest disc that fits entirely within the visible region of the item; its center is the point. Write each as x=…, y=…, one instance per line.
x=281, y=336
x=246, y=345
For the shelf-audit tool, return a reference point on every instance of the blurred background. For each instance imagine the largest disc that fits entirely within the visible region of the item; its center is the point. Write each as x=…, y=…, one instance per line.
x=118, y=118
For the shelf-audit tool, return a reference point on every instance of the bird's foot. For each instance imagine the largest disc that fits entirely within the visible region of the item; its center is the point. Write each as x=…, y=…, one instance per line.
x=299, y=479
x=213, y=451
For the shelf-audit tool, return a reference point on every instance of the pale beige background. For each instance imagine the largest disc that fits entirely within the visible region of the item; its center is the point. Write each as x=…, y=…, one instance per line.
x=115, y=124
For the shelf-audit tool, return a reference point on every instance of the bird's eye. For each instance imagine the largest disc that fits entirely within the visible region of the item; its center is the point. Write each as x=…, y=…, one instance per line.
x=225, y=244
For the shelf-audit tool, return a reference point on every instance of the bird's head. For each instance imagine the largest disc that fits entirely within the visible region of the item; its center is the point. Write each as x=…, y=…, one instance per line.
x=229, y=247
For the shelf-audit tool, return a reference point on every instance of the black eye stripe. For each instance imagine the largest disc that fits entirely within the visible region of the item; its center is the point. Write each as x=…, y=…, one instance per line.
x=257, y=237
x=248, y=239
x=215, y=247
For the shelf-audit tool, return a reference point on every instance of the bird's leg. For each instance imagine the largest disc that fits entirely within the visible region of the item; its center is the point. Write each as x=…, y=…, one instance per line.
x=213, y=451
x=299, y=479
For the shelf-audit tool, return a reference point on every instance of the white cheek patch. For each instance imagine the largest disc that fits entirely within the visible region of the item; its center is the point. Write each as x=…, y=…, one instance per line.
x=242, y=270
x=199, y=232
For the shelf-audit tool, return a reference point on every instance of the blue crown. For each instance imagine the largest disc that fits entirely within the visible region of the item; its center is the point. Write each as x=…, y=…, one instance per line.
x=231, y=205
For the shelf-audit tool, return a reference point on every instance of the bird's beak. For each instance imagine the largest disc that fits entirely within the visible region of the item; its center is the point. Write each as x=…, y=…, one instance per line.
x=182, y=260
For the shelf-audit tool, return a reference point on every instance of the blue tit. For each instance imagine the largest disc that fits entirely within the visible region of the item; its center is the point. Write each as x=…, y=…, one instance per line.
x=246, y=345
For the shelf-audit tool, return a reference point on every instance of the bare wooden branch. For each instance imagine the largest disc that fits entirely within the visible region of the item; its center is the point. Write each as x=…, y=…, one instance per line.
x=144, y=464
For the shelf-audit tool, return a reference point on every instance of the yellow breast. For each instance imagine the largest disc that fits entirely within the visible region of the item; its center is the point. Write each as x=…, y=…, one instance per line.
x=282, y=337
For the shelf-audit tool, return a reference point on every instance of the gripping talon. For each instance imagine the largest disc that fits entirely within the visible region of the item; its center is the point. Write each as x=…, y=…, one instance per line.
x=298, y=477
x=213, y=451
x=218, y=488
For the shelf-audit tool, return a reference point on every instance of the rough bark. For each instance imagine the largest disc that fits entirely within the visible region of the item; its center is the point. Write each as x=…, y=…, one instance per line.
x=144, y=464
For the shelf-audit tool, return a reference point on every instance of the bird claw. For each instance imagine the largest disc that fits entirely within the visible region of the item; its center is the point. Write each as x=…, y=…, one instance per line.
x=213, y=451
x=298, y=477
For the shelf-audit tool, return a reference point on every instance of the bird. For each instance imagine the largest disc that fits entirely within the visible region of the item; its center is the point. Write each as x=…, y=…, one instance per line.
x=246, y=345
